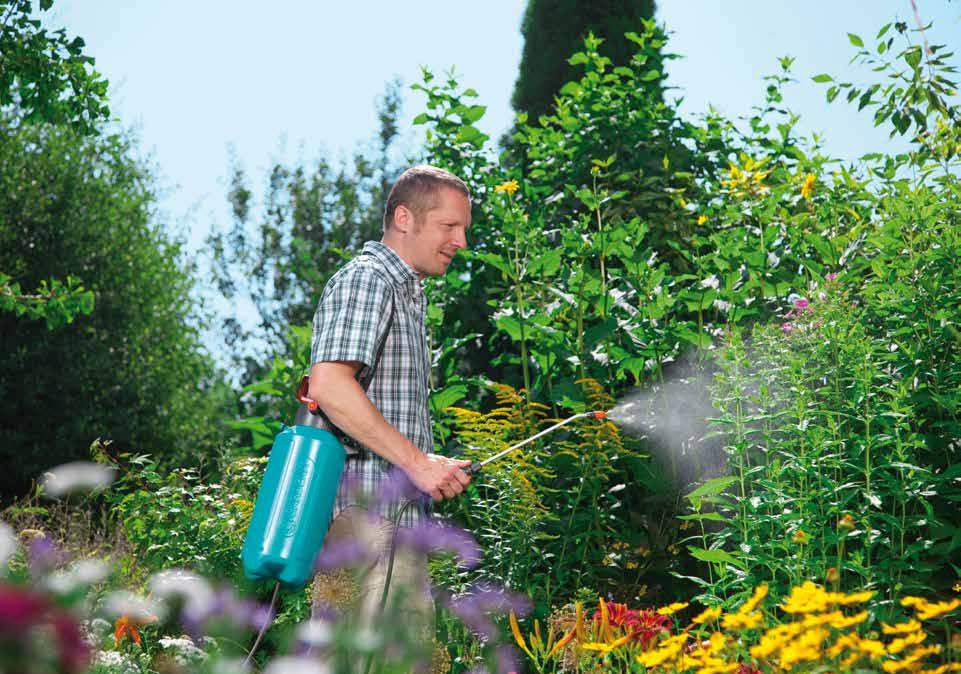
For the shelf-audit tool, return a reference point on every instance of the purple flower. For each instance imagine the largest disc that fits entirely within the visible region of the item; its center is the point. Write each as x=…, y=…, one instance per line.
x=431, y=536
x=506, y=657
x=225, y=606
x=395, y=489
x=343, y=553
x=474, y=606
x=43, y=556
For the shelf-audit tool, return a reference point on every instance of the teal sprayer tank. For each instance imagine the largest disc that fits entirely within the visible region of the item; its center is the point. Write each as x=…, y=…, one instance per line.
x=295, y=501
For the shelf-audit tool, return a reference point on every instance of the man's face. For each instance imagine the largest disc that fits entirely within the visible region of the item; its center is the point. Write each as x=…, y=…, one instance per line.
x=434, y=238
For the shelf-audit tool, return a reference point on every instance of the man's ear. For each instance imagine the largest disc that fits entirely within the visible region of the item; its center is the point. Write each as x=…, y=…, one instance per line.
x=403, y=219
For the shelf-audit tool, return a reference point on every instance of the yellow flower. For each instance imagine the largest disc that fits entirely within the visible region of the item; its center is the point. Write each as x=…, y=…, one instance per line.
x=510, y=187
x=869, y=647
x=669, y=649
x=607, y=647
x=800, y=536
x=911, y=661
x=773, y=639
x=811, y=598
x=595, y=170
x=741, y=621
x=901, y=628
x=853, y=598
x=808, y=187
x=707, y=615
x=898, y=645
x=760, y=592
x=832, y=575
x=928, y=610
x=957, y=587
x=671, y=609
x=846, y=522
x=701, y=219
x=806, y=648
x=839, y=621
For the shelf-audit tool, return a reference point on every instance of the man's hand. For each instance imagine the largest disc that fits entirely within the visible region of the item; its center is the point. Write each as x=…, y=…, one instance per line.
x=439, y=476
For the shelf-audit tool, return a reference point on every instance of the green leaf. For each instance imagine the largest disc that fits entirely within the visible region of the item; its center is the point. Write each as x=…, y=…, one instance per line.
x=447, y=396
x=422, y=118
x=712, y=487
x=473, y=113
x=855, y=40
x=714, y=556
x=913, y=56
x=712, y=516
x=823, y=77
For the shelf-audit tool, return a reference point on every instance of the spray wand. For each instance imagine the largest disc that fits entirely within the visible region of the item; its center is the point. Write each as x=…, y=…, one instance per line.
x=478, y=465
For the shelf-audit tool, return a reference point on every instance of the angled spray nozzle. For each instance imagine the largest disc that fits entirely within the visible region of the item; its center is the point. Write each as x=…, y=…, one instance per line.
x=478, y=465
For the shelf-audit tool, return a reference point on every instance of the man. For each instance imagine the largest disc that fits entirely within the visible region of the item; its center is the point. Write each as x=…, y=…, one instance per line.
x=370, y=329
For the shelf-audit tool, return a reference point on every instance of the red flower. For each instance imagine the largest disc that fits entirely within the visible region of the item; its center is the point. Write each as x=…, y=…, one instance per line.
x=745, y=668
x=644, y=626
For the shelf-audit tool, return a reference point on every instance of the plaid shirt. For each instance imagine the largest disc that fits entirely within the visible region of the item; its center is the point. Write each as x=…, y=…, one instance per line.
x=352, y=319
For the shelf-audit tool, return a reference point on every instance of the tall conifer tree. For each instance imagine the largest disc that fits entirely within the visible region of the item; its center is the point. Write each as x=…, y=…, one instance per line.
x=555, y=29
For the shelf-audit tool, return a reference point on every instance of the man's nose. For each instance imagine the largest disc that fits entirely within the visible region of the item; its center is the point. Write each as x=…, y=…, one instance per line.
x=460, y=239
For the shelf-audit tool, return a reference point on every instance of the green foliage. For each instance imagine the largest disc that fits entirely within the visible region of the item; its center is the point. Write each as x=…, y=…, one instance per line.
x=45, y=74
x=178, y=519
x=840, y=418
x=554, y=29
x=55, y=302
x=133, y=370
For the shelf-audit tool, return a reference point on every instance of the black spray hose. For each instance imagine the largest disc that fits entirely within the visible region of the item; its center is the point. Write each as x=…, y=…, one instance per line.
x=263, y=630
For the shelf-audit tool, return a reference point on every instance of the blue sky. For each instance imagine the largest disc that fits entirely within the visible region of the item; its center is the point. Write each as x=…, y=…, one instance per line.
x=287, y=79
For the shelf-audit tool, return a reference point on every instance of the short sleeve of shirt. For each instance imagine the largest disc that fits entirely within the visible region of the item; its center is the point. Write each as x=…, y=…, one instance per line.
x=351, y=318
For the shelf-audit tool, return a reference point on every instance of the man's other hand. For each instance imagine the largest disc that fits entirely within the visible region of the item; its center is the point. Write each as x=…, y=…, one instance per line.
x=439, y=476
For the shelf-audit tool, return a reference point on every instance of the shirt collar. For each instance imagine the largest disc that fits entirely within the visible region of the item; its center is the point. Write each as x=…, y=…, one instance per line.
x=400, y=272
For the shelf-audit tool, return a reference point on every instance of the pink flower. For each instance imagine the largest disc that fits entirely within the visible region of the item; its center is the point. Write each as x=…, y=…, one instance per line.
x=786, y=328
x=801, y=303
x=831, y=276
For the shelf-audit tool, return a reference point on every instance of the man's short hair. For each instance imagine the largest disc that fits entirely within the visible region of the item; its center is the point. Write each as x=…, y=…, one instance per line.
x=417, y=189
